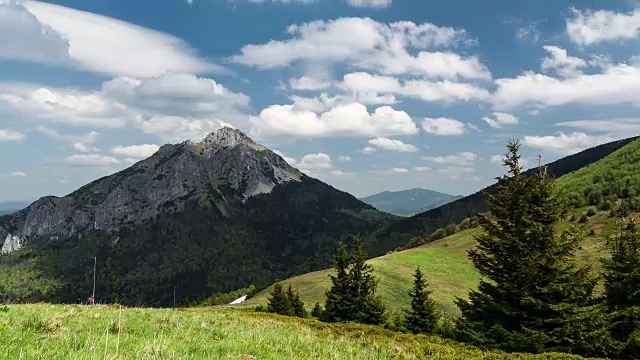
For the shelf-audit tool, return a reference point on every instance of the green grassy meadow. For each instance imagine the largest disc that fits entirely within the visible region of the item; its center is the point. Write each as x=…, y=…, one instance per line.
x=51, y=332
x=445, y=264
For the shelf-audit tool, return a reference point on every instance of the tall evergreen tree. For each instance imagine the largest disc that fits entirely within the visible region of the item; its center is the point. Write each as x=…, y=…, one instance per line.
x=423, y=315
x=279, y=302
x=622, y=287
x=533, y=297
x=352, y=294
x=297, y=305
x=368, y=308
x=338, y=304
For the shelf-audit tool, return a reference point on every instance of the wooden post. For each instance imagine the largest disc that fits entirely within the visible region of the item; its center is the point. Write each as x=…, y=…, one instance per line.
x=95, y=265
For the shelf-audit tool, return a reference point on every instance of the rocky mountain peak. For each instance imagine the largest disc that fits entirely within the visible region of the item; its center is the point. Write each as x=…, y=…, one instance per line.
x=225, y=162
x=226, y=138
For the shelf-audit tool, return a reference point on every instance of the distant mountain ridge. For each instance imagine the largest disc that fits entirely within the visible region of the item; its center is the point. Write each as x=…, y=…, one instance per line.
x=408, y=202
x=401, y=232
x=8, y=207
x=194, y=218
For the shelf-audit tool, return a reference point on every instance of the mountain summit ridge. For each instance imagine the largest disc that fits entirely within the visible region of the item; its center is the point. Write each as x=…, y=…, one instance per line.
x=226, y=137
x=226, y=156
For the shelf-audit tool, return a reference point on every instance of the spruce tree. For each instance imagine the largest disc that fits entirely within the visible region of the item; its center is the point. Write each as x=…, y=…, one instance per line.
x=622, y=288
x=278, y=302
x=317, y=311
x=352, y=294
x=533, y=296
x=297, y=306
x=423, y=315
x=338, y=304
x=291, y=296
x=368, y=308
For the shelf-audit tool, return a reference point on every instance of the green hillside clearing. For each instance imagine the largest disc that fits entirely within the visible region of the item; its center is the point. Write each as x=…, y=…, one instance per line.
x=106, y=332
x=444, y=263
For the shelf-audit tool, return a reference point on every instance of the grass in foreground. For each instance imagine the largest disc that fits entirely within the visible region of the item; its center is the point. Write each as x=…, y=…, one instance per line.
x=105, y=332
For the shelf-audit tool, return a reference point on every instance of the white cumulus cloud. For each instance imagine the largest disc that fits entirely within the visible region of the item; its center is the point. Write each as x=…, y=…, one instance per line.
x=563, y=64
x=588, y=27
x=375, y=4
x=386, y=48
x=177, y=129
x=565, y=143
x=91, y=160
x=617, y=84
x=368, y=150
x=443, y=126
x=308, y=83
x=80, y=142
x=393, y=145
x=445, y=90
x=10, y=135
x=174, y=107
x=174, y=94
x=136, y=151
x=351, y=119
x=461, y=158
x=500, y=119
x=65, y=106
x=316, y=165
x=422, y=168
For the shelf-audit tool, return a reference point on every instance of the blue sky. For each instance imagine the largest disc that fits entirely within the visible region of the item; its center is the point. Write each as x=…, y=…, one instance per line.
x=367, y=95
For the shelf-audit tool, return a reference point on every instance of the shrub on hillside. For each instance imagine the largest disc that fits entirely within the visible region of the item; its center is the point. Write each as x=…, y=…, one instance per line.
x=465, y=224
x=438, y=234
x=451, y=229
x=317, y=311
x=604, y=205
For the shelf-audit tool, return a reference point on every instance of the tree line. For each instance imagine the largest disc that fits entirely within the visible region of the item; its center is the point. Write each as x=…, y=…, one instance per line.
x=534, y=296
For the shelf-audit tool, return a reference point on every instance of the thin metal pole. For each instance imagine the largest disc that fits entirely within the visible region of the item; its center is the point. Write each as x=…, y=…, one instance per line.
x=95, y=265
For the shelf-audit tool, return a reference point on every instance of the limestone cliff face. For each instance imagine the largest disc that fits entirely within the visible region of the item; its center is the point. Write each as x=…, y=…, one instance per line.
x=226, y=167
